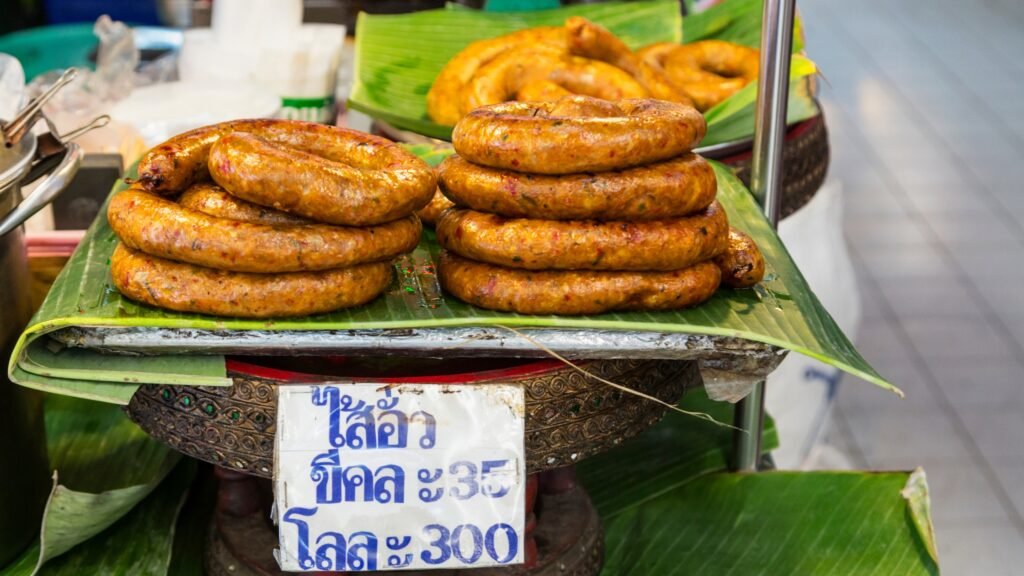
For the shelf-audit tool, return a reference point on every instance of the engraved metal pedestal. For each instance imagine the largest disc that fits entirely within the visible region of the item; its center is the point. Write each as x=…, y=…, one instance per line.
x=570, y=415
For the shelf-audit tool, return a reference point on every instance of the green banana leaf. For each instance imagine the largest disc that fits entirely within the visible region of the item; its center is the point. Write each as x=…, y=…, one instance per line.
x=668, y=508
x=678, y=449
x=193, y=524
x=782, y=311
x=776, y=523
x=104, y=465
x=733, y=119
x=737, y=21
x=96, y=376
x=397, y=57
x=141, y=542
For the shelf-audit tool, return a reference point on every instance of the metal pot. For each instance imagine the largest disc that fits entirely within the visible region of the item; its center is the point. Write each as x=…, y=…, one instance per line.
x=24, y=483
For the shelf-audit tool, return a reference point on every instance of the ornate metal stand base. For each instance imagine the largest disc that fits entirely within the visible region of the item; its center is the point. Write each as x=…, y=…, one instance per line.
x=570, y=416
x=568, y=533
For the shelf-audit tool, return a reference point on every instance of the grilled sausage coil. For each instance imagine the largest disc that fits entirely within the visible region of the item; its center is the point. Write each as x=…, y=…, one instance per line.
x=212, y=200
x=658, y=245
x=669, y=189
x=571, y=292
x=707, y=71
x=741, y=262
x=527, y=137
x=308, y=185
x=302, y=219
x=345, y=162
x=163, y=228
x=189, y=288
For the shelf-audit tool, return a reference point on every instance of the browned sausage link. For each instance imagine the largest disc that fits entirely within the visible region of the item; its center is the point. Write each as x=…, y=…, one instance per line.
x=710, y=71
x=188, y=288
x=524, y=137
x=308, y=185
x=163, y=228
x=656, y=245
x=504, y=77
x=445, y=94
x=593, y=41
x=174, y=165
x=212, y=200
x=541, y=91
x=574, y=292
x=742, y=263
x=431, y=212
x=676, y=187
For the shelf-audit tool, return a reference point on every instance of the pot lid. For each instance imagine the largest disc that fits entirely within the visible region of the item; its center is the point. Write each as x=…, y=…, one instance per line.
x=15, y=161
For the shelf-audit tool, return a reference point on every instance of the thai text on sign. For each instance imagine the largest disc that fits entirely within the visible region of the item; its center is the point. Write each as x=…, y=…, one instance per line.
x=397, y=477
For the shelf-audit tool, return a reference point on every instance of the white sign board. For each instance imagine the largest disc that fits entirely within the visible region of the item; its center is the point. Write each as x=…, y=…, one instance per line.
x=412, y=476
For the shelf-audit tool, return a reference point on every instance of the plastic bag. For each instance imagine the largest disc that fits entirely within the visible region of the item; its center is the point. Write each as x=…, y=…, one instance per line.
x=800, y=393
x=12, y=86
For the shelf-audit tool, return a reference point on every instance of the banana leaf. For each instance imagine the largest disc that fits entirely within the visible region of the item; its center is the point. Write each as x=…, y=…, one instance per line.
x=193, y=524
x=141, y=542
x=737, y=21
x=678, y=449
x=104, y=465
x=782, y=311
x=777, y=523
x=398, y=56
x=669, y=509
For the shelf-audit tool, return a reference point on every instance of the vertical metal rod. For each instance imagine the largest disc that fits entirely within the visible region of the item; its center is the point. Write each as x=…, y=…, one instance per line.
x=765, y=183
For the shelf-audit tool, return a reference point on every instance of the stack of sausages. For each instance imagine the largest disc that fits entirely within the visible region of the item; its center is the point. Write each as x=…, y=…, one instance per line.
x=581, y=57
x=267, y=218
x=582, y=206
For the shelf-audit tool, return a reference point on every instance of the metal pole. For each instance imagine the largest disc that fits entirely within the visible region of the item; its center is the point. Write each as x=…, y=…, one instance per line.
x=765, y=183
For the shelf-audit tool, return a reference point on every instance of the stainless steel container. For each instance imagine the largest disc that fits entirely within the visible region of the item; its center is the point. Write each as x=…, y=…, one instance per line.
x=24, y=473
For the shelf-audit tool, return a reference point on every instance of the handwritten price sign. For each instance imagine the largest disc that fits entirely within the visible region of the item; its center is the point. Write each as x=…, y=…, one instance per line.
x=369, y=477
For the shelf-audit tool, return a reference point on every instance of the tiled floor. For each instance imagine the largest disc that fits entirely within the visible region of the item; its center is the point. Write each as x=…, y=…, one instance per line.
x=925, y=108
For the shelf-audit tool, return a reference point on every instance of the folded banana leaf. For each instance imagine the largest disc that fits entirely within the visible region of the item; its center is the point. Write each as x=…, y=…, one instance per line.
x=668, y=508
x=141, y=542
x=398, y=56
x=778, y=523
x=678, y=449
x=782, y=311
x=103, y=466
x=737, y=21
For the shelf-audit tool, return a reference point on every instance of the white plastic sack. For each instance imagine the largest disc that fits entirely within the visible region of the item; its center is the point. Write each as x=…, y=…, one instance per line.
x=12, y=86
x=799, y=393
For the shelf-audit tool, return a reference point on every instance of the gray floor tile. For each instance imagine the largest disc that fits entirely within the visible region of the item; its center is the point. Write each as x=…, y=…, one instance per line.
x=1003, y=295
x=1012, y=478
x=987, y=230
x=872, y=304
x=997, y=431
x=878, y=341
x=984, y=383
x=884, y=230
x=948, y=198
x=903, y=438
x=962, y=492
x=957, y=338
x=935, y=297
x=858, y=397
x=896, y=262
x=1013, y=318
x=985, y=264
x=975, y=548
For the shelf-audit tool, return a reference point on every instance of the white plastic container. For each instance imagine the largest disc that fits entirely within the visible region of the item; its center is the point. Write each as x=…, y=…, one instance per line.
x=299, y=64
x=163, y=110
